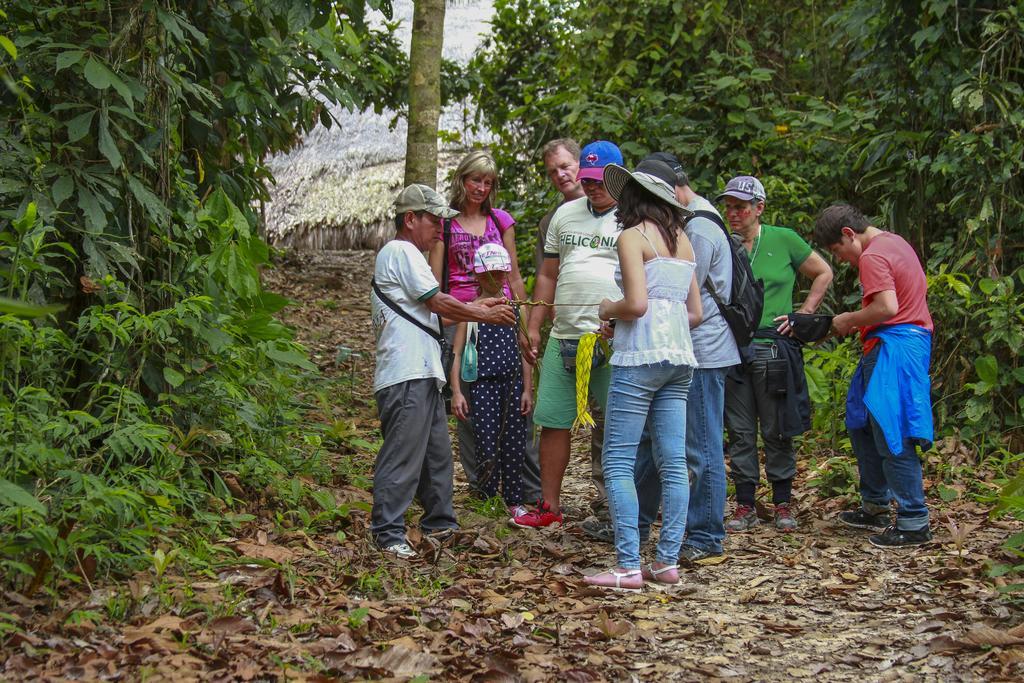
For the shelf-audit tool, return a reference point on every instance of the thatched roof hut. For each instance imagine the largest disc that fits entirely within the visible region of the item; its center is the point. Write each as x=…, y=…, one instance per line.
x=334, y=190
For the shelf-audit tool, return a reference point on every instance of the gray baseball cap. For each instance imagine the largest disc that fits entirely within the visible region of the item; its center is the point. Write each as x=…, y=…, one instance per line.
x=745, y=187
x=418, y=197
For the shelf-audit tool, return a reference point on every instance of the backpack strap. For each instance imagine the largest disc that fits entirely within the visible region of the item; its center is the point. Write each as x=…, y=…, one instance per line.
x=711, y=216
x=437, y=334
x=717, y=220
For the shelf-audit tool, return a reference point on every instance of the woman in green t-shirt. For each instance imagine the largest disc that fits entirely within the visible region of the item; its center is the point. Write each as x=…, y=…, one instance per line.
x=769, y=387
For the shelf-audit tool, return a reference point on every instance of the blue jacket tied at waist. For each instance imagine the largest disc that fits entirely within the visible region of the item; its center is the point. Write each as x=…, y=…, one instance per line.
x=898, y=395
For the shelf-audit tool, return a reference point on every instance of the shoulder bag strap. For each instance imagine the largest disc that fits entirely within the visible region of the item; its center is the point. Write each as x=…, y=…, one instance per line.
x=446, y=233
x=437, y=334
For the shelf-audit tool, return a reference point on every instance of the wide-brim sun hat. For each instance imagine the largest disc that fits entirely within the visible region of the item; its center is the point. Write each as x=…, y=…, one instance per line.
x=616, y=177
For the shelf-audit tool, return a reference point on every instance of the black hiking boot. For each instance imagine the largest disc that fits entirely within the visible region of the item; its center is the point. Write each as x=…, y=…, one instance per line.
x=860, y=519
x=900, y=538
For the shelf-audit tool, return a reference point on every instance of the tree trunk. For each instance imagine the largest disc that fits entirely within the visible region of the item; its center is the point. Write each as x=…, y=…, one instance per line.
x=424, y=92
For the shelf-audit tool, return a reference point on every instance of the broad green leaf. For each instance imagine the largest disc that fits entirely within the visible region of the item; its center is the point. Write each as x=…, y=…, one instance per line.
x=6, y=43
x=106, y=143
x=987, y=285
x=10, y=186
x=289, y=357
x=169, y=22
x=988, y=369
x=14, y=495
x=23, y=309
x=62, y=189
x=100, y=77
x=222, y=209
x=78, y=127
x=150, y=202
x=217, y=339
x=975, y=410
x=173, y=377
x=69, y=58
x=960, y=287
x=26, y=220
x=725, y=82
x=90, y=206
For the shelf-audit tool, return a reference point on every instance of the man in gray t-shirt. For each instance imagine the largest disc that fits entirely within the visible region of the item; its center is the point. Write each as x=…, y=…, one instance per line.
x=716, y=351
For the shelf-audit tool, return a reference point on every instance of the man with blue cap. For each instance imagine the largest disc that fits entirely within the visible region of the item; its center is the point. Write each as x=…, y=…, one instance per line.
x=578, y=270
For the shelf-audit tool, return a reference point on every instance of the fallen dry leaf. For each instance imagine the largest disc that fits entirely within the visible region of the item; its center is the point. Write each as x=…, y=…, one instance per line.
x=231, y=625
x=274, y=553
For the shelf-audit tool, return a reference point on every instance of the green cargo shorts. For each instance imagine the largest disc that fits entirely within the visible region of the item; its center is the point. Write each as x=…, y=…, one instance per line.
x=556, y=395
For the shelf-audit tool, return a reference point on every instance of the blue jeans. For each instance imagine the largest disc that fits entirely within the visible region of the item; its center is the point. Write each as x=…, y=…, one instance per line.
x=705, y=460
x=653, y=395
x=885, y=476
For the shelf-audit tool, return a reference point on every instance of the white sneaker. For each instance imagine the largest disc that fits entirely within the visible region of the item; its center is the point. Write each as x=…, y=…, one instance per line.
x=400, y=550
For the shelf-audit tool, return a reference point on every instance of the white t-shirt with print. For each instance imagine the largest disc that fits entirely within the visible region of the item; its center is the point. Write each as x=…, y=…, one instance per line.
x=404, y=351
x=585, y=246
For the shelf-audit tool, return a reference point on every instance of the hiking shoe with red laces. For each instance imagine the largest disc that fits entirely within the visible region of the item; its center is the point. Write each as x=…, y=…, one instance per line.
x=784, y=519
x=743, y=519
x=540, y=516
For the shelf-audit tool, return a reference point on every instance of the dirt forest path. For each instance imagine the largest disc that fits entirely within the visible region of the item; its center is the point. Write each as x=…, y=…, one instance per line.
x=300, y=599
x=819, y=603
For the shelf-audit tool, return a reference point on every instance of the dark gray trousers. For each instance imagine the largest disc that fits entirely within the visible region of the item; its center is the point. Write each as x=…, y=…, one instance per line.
x=748, y=402
x=415, y=461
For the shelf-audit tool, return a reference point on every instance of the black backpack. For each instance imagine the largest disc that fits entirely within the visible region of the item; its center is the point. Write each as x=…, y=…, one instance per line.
x=743, y=311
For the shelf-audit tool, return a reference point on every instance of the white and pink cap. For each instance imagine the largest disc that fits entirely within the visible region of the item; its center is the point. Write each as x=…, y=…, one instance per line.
x=490, y=257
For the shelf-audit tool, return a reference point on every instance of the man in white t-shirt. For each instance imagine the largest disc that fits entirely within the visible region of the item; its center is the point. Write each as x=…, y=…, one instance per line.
x=578, y=272
x=415, y=460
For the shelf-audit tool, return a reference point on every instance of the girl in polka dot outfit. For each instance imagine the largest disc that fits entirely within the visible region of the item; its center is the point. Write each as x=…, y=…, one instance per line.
x=502, y=394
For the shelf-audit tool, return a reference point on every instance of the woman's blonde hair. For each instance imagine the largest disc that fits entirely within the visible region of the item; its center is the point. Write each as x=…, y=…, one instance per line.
x=477, y=161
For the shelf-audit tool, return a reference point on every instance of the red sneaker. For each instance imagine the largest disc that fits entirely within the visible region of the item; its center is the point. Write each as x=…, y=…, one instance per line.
x=540, y=516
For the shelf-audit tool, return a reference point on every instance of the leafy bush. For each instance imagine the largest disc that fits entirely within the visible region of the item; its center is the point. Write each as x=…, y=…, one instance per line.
x=163, y=394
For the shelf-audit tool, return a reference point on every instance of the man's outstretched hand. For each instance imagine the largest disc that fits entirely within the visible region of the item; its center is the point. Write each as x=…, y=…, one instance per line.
x=499, y=312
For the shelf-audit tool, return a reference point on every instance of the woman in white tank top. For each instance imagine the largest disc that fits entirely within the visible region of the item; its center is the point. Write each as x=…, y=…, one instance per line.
x=652, y=365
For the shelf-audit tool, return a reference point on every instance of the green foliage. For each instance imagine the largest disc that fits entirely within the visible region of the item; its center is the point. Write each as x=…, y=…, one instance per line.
x=146, y=390
x=909, y=110
x=979, y=357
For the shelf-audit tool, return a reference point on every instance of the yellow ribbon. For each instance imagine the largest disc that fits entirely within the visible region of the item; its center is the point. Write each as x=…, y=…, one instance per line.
x=584, y=363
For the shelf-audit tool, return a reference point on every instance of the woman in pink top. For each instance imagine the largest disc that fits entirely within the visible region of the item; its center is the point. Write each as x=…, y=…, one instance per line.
x=472, y=193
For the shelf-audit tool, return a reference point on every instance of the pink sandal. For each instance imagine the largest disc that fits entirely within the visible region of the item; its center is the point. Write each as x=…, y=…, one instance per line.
x=631, y=580
x=668, y=575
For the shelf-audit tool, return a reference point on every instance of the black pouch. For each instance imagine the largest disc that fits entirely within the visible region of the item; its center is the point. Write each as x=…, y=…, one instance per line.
x=810, y=327
x=447, y=361
x=567, y=350
x=447, y=356
x=776, y=371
